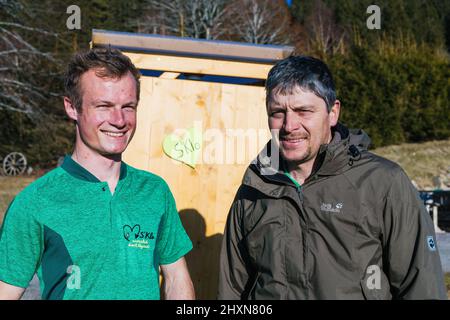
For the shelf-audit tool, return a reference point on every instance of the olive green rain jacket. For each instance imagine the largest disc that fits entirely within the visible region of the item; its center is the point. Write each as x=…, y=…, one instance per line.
x=356, y=229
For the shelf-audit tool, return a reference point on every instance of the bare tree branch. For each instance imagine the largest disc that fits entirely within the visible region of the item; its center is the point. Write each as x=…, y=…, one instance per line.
x=325, y=36
x=21, y=78
x=185, y=18
x=259, y=21
x=17, y=25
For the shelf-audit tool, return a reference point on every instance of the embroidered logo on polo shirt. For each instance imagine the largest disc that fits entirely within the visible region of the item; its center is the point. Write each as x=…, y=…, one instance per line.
x=136, y=237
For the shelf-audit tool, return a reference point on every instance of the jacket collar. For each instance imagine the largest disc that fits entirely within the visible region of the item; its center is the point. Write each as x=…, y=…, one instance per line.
x=266, y=173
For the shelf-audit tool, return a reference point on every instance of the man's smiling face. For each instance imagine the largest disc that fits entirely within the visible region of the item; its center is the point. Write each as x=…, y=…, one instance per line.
x=107, y=121
x=301, y=123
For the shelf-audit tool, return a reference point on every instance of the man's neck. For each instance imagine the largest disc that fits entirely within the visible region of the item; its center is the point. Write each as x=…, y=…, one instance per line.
x=300, y=172
x=104, y=168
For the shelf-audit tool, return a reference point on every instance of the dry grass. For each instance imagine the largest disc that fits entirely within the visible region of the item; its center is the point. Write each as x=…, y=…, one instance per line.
x=9, y=187
x=421, y=161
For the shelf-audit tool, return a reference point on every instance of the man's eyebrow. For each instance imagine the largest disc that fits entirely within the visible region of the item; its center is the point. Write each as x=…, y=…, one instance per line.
x=304, y=106
x=97, y=102
x=295, y=107
x=275, y=110
x=109, y=103
x=276, y=106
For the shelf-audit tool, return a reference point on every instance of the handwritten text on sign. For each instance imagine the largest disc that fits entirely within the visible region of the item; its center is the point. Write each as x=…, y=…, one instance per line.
x=184, y=145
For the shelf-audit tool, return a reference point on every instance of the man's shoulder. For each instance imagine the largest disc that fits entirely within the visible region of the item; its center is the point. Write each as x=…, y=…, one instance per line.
x=378, y=172
x=149, y=178
x=379, y=165
x=37, y=193
x=42, y=183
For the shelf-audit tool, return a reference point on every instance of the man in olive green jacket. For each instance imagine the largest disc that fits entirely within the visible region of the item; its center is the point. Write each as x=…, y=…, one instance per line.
x=318, y=216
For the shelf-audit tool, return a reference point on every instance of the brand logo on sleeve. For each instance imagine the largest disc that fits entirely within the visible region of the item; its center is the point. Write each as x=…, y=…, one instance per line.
x=136, y=237
x=431, y=243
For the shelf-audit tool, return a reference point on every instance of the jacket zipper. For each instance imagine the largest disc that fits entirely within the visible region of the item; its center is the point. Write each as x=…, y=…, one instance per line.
x=305, y=276
x=308, y=183
x=305, y=243
x=300, y=189
x=300, y=194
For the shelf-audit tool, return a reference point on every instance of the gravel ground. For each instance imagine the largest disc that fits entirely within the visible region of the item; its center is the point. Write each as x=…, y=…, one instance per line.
x=32, y=292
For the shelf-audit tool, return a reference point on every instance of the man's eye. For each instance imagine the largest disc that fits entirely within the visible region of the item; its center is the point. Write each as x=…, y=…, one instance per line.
x=277, y=114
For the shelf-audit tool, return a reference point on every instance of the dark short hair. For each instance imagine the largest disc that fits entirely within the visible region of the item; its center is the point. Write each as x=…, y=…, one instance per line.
x=305, y=72
x=107, y=63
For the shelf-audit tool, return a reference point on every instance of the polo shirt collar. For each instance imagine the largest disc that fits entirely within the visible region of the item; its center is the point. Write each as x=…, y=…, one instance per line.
x=77, y=171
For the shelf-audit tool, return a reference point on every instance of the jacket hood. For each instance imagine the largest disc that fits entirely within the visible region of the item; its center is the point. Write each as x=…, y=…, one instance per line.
x=346, y=148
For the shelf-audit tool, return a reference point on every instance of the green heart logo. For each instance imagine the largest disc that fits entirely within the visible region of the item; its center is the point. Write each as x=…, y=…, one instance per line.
x=128, y=231
x=184, y=145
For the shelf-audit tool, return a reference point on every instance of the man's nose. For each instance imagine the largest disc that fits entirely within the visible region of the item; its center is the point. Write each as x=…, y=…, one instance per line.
x=117, y=118
x=291, y=122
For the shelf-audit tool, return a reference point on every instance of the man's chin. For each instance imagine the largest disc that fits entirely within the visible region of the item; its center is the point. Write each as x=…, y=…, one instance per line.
x=113, y=152
x=114, y=148
x=295, y=157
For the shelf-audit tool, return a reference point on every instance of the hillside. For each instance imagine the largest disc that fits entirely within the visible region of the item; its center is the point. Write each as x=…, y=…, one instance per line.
x=421, y=161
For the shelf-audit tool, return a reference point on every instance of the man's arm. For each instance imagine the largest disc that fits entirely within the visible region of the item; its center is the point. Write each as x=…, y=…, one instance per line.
x=410, y=249
x=9, y=292
x=20, y=245
x=234, y=273
x=177, y=282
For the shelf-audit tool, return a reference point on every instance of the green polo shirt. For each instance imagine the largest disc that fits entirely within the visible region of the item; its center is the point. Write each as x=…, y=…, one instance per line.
x=84, y=242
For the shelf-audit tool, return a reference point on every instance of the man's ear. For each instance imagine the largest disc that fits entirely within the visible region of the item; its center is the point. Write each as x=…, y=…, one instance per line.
x=333, y=115
x=71, y=111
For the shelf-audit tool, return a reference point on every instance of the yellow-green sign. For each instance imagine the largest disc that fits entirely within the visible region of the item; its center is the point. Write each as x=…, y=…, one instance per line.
x=184, y=145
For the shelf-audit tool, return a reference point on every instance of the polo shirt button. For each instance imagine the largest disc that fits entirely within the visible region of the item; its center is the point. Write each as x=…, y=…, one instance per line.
x=104, y=188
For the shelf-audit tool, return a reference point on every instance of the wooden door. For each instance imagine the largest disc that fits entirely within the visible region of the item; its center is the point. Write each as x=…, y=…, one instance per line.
x=229, y=117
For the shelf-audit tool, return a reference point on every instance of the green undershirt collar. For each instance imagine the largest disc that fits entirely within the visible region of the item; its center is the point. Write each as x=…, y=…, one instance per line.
x=292, y=179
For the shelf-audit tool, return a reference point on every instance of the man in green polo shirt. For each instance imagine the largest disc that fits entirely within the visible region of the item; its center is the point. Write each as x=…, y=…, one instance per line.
x=96, y=228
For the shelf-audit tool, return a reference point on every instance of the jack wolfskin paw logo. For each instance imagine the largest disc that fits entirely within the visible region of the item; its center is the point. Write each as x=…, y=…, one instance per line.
x=328, y=207
x=129, y=231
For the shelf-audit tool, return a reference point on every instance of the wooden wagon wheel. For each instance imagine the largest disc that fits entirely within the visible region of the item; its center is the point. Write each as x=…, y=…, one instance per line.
x=14, y=164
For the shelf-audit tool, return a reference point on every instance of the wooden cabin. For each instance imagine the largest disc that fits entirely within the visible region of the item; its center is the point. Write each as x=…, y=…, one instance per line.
x=201, y=121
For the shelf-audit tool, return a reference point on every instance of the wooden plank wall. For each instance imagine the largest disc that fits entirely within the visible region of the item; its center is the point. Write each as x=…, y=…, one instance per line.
x=203, y=194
